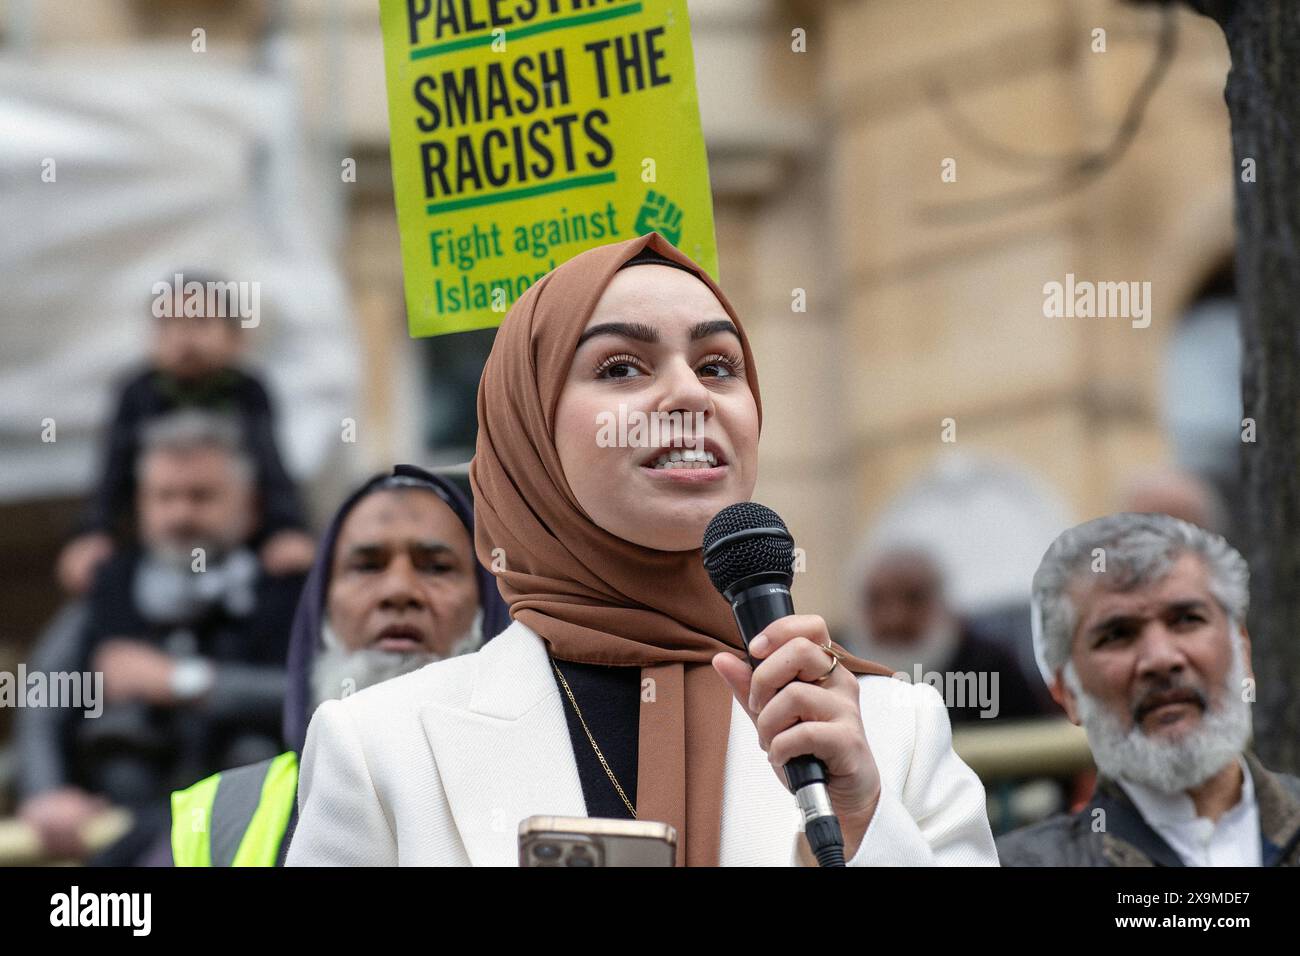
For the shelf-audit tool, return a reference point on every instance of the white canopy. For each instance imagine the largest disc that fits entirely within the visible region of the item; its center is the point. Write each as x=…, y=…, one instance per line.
x=160, y=164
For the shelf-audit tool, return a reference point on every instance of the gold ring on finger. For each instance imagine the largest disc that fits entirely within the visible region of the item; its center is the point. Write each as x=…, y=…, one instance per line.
x=835, y=662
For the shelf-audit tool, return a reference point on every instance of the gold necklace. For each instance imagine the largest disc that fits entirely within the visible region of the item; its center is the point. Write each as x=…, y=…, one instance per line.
x=600, y=756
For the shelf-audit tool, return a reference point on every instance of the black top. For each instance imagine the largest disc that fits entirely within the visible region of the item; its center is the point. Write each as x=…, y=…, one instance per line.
x=260, y=637
x=610, y=700
x=152, y=394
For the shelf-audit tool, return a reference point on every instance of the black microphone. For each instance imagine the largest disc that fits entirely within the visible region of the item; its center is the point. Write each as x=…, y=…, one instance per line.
x=749, y=555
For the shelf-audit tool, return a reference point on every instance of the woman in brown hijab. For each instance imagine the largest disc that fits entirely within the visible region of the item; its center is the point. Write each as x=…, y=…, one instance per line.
x=621, y=689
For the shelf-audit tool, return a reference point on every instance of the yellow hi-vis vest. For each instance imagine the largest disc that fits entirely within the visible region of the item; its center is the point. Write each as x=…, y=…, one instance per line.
x=236, y=817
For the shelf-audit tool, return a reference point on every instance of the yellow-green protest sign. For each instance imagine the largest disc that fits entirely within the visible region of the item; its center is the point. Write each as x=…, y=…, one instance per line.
x=526, y=131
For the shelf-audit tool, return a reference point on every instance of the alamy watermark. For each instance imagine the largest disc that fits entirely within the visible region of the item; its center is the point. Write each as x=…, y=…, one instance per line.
x=637, y=429
x=1098, y=300
x=79, y=690
x=133, y=911
x=241, y=300
x=959, y=689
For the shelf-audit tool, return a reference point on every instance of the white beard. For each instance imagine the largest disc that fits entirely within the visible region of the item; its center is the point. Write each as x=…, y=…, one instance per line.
x=338, y=672
x=1169, y=766
x=934, y=651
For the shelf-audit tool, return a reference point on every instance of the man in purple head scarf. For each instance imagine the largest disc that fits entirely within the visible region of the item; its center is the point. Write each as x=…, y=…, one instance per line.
x=395, y=586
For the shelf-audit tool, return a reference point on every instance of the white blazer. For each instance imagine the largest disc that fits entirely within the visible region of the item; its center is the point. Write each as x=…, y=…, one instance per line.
x=437, y=768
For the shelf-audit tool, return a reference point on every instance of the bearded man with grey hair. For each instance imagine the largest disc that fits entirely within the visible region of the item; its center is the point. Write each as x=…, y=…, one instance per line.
x=189, y=632
x=1139, y=630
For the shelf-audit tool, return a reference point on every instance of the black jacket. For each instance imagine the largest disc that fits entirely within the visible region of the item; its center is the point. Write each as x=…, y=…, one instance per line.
x=174, y=745
x=980, y=655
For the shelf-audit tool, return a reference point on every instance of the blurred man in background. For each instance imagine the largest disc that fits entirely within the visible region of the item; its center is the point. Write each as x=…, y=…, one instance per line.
x=1179, y=494
x=1141, y=625
x=908, y=624
x=198, y=343
x=396, y=585
x=190, y=634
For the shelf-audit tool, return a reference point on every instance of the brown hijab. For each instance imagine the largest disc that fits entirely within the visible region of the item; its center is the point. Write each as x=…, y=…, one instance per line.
x=591, y=596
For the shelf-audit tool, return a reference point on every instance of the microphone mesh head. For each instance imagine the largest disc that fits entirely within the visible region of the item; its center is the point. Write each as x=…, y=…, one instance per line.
x=769, y=549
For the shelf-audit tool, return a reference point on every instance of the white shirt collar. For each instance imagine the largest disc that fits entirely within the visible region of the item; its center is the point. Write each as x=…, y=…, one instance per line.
x=1199, y=841
x=1178, y=808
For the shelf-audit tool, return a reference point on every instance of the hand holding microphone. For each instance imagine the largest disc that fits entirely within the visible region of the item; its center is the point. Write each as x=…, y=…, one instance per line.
x=794, y=715
x=804, y=706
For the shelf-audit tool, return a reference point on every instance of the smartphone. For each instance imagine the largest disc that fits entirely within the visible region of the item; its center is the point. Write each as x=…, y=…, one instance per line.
x=595, y=841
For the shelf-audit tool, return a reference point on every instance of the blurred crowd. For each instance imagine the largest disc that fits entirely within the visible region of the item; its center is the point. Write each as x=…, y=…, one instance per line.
x=196, y=589
x=183, y=575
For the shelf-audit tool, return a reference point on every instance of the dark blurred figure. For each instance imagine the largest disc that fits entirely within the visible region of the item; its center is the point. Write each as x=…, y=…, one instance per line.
x=190, y=634
x=908, y=625
x=194, y=366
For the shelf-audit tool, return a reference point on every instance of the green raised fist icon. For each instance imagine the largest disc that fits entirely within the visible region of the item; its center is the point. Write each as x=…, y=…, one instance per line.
x=659, y=215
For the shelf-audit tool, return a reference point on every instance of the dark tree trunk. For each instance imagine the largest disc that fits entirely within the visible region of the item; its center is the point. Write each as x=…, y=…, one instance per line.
x=1263, y=96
